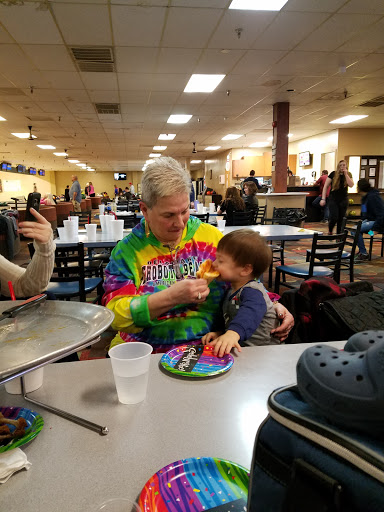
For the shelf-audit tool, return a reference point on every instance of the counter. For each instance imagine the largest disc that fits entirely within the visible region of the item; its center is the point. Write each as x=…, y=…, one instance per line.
x=282, y=200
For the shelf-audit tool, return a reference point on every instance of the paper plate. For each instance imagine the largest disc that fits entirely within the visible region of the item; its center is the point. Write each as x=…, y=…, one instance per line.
x=195, y=361
x=35, y=424
x=197, y=484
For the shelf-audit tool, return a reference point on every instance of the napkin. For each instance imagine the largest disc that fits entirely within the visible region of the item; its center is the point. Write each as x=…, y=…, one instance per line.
x=12, y=461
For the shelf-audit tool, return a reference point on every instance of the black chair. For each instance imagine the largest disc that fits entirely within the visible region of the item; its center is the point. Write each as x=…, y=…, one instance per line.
x=347, y=257
x=332, y=245
x=259, y=217
x=204, y=217
x=69, y=276
x=277, y=249
x=130, y=221
x=377, y=237
x=242, y=218
x=85, y=217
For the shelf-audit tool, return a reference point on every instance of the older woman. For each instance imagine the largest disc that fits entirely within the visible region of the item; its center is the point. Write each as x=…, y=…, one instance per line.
x=249, y=197
x=151, y=283
x=232, y=203
x=35, y=278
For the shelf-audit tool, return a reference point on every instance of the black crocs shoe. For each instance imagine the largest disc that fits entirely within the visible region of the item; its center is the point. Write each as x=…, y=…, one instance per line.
x=364, y=340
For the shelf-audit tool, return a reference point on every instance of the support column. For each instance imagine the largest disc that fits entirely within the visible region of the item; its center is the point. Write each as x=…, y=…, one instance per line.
x=280, y=146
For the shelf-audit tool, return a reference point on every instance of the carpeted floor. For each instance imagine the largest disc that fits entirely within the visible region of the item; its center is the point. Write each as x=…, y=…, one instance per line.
x=294, y=252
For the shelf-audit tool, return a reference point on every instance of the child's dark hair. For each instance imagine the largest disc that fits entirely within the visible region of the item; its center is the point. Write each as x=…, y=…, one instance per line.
x=246, y=247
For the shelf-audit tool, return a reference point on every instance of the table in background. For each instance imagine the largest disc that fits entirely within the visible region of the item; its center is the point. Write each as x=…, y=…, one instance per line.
x=275, y=231
x=103, y=240
x=75, y=469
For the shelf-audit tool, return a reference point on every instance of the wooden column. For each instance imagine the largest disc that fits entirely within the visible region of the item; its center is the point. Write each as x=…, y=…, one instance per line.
x=280, y=146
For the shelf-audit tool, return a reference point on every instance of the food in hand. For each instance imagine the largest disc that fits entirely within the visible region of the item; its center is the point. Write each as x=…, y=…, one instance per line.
x=207, y=272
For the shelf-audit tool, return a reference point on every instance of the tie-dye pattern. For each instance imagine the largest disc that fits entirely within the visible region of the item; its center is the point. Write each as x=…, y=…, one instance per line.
x=140, y=266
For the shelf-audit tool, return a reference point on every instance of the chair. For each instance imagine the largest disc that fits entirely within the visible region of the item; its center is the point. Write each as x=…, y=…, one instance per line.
x=85, y=217
x=376, y=238
x=242, y=218
x=69, y=276
x=130, y=221
x=260, y=215
x=204, y=217
x=347, y=257
x=277, y=249
x=333, y=246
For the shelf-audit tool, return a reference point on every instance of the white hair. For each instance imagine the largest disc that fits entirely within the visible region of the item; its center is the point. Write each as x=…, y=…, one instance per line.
x=164, y=177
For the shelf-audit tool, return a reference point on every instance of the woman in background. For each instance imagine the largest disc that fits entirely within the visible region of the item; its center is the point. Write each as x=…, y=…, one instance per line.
x=91, y=190
x=249, y=197
x=340, y=180
x=66, y=194
x=232, y=203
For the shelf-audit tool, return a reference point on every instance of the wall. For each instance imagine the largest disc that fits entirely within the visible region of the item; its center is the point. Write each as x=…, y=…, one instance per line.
x=218, y=166
x=45, y=184
x=102, y=181
x=361, y=141
x=317, y=145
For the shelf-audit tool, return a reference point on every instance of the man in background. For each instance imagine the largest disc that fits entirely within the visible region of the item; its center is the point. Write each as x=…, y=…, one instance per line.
x=251, y=177
x=132, y=189
x=316, y=203
x=75, y=194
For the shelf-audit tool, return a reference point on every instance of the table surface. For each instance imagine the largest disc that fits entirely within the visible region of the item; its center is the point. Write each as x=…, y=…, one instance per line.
x=75, y=469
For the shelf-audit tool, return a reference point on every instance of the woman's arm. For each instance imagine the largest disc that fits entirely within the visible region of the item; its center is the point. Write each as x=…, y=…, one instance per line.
x=327, y=183
x=348, y=178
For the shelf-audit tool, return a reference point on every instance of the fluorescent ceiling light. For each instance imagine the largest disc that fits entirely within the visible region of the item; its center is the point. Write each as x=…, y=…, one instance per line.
x=23, y=135
x=159, y=148
x=60, y=154
x=270, y=138
x=258, y=5
x=45, y=146
x=209, y=161
x=203, y=83
x=149, y=162
x=90, y=169
x=259, y=145
x=2, y=118
x=195, y=161
x=212, y=148
x=155, y=155
x=179, y=118
x=346, y=119
x=290, y=135
x=231, y=136
x=81, y=165
x=167, y=136
x=73, y=161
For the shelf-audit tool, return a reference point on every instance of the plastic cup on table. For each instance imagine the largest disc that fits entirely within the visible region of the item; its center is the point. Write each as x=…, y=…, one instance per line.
x=118, y=505
x=91, y=232
x=221, y=224
x=130, y=365
x=32, y=381
x=71, y=229
x=62, y=234
x=75, y=219
x=118, y=229
x=211, y=207
x=200, y=208
x=101, y=209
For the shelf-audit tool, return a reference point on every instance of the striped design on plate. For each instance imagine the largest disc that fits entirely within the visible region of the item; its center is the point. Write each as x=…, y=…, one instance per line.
x=35, y=424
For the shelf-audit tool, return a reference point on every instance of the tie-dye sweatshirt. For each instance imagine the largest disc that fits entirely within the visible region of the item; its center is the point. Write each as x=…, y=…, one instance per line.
x=140, y=266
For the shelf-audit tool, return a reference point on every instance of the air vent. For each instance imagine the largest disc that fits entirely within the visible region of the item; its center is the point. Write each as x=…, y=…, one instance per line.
x=375, y=102
x=333, y=96
x=107, y=108
x=94, y=59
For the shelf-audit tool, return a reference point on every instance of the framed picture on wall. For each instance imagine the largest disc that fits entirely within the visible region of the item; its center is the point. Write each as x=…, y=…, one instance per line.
x=362, y=173
x=364, y=161
x=372, y=161
x=372, y=182
x=372, y=171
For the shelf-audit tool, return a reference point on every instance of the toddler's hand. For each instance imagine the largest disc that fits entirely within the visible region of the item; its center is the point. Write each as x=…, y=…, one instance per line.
x=225, y=343
x=209, y=337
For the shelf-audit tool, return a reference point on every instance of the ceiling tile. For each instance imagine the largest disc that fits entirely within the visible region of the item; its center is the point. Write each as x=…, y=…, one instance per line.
x=69, y=95
x=313, y=5
x=5, y=38
x=133, y=96
x=177, y=60
x=49, y=57
x=209, y=4
x=135, y=60
x=170, y=82
x=66, y=79
x=368, y=41
x=256, y=62
x=83, y=24
x=100, y=81
x=214, y=61
x=366, y=7
x=137, y=26
x=104, y=96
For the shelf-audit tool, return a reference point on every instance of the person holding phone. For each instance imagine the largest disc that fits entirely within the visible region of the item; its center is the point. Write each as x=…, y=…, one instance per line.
x=35, y=278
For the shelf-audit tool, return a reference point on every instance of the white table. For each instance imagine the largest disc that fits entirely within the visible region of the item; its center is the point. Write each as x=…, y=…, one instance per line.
x=74, y=469
x=102, y=239
x=276, y=232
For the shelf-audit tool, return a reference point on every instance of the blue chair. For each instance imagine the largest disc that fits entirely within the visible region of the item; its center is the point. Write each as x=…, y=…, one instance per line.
x=332, y=245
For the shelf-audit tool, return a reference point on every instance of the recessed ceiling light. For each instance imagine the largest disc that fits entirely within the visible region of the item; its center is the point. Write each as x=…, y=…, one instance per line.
x=154, y=155
x=203, y=83
x=45, y=146
x=195, y=161
x=259, y=145
x=258, y=5
x=73, y=161
x=167, y=136
x=225, y=50
x=212, y=148
x=159, y=148
x=23, y=135
x=179, y=118
x=2, y=118
x=60, y=154
x=81, y=165
x=346, y=119
x=231, y=136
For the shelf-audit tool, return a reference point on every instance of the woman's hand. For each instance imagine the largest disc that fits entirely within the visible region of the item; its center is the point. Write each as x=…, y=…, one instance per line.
x=287, y=322
x=41, y=230
x=322, y=201
x=189, y=291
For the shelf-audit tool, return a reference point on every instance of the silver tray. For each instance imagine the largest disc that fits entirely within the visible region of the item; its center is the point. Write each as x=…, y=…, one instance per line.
x=45, y=332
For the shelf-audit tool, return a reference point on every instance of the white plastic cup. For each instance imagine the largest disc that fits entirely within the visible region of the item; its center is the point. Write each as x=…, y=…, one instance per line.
x=101, y=209
x=211, y=207
x=62, y=234
x=71, y=229
x=118, y=229
x=221, y=224
x=74, y=220
x=105, y=223
x=200, y=208
x=32, y=381
x=91, y=232
x=130, y=365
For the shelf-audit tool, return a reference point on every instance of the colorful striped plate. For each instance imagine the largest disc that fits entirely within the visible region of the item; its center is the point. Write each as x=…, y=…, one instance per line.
x=197, y=484
x=34, y=421
x=195, y=361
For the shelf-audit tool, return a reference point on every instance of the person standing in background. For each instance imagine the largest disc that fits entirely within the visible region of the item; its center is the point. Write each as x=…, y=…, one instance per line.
x=66, y=194
x=91, y=190
x=75, y=194
x=316, y=203
x=86, y=190
x=132, y=189
x=251, y=177
x=116, y=190
x=339, y=181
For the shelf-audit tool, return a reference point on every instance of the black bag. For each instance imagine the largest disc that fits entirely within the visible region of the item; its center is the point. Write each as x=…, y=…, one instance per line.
x=347, y=315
